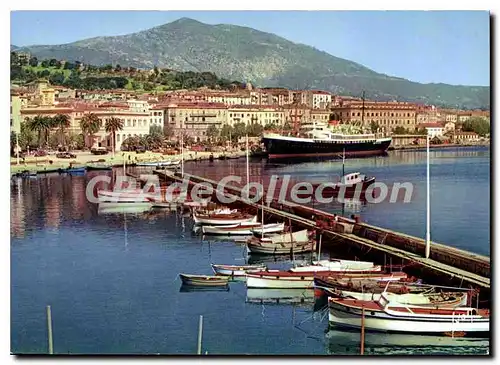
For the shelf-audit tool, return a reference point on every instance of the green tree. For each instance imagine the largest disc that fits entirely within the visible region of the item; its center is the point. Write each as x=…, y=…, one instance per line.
x=45, y=63
x=212, y=133
x=399, y=130
x=478, y=125
x=90, y=125
x=168, y=130
x=156, y=130
x=270, y=126
x=226, y=132
x=62, y=122
x=33, y=61
x=239, y=130
x=41, y=125
x=118, y=68
x=112, y=126
x=14, y=59
x=254, y=129
x=148, y=86
x=27, y=137
x=53, y=62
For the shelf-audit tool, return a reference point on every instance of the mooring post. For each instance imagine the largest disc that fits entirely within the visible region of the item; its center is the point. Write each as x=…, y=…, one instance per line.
x=363, y=331
x=49, y=329
x=200, y=333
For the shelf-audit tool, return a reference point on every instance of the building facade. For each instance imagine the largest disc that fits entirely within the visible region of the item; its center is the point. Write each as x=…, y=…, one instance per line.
x=385, y=116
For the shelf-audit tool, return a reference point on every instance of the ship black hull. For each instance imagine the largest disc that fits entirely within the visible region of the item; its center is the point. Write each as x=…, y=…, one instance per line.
x=283, y=149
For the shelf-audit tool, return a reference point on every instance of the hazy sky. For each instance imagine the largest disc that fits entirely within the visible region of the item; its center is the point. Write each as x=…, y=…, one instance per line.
x=440, y=46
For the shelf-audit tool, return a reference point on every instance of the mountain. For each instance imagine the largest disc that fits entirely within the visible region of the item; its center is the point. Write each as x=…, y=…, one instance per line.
x=264, y=59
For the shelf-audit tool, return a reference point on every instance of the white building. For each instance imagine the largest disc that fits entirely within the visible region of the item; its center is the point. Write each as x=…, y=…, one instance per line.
x=157, y=116
x=321, y=99
x=433, y=129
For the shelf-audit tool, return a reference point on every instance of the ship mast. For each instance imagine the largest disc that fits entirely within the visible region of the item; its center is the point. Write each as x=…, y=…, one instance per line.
x=363, y=109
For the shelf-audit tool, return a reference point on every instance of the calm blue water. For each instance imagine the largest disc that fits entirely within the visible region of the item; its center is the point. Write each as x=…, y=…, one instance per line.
x=111, y=278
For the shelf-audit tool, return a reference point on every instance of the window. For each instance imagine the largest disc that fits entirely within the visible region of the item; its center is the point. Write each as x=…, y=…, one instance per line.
x=117, y=138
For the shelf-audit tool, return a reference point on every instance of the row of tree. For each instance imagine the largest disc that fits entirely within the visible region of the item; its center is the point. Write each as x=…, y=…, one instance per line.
x=90, y=77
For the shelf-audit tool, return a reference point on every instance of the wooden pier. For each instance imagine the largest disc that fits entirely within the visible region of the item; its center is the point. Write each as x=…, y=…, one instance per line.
x=446, y=264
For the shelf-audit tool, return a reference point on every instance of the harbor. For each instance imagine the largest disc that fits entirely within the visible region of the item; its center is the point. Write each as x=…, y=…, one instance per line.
x=145, y=250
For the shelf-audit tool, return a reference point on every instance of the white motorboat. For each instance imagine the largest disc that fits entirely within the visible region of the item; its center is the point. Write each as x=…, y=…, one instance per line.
x=127, y=196
x=244, y=228
x=386, y=316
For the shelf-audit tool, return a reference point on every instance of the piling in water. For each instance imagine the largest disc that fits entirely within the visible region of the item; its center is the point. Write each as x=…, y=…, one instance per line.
x=49, y=329
x=200, y=333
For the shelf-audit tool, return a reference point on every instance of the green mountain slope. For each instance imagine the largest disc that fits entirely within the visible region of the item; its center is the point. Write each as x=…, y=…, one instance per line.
x=241, y=53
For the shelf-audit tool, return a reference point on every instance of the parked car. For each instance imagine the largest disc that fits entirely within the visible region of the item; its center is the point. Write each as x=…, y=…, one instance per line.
x=40, y=153
x=65, y=155
x=99, y=151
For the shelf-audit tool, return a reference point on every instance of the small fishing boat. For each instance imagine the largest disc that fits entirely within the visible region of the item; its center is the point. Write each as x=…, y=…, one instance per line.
x=223, y=219
x=441, y=300
x=269, y=228
x=287, y=243
x=204, y=280
x=386, y=316
x=99, y=166
x=166, y=163
x=335, y=287
x=244, y=228
x=280, y=248
x=75, y=170
x=127, y=196
x=236, y=270
x=338, y=265
x=348, y=185
x=291, y=279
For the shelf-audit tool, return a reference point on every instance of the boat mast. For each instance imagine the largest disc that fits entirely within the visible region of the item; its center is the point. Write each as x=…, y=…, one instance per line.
x=248, y=167
x=343, y=162
x=182, y=154
x=428, y=231
x=363, y=109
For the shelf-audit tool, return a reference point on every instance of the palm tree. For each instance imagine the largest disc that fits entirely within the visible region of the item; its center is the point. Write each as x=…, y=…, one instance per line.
x=40, y=124
x=61, y=121
x=112, y=126
x=90, y=125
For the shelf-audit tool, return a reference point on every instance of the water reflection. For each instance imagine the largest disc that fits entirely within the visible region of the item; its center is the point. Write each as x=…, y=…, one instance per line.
x=340, y=342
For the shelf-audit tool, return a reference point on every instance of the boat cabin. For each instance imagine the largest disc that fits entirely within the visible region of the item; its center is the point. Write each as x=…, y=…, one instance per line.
x=353, y=178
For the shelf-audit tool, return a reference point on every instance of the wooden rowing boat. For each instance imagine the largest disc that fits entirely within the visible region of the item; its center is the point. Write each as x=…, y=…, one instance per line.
x=236, y=270
x=204, y=280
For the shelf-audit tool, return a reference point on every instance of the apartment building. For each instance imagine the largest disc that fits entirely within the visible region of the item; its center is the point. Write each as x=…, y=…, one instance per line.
x=261, y=114
x=194, y=119
x=386, y=115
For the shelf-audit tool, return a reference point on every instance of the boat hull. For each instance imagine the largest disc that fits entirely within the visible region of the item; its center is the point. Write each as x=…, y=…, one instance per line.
x=222, y=221
x=281, y=249
x=232, y=270
x=339, y=317
x=206, y=281
x=279, y=147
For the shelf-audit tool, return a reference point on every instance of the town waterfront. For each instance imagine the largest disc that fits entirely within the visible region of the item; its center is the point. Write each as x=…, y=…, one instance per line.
x=111, y=278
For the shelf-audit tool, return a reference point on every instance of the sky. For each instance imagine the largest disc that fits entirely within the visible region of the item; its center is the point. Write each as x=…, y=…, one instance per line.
x=451, y=47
